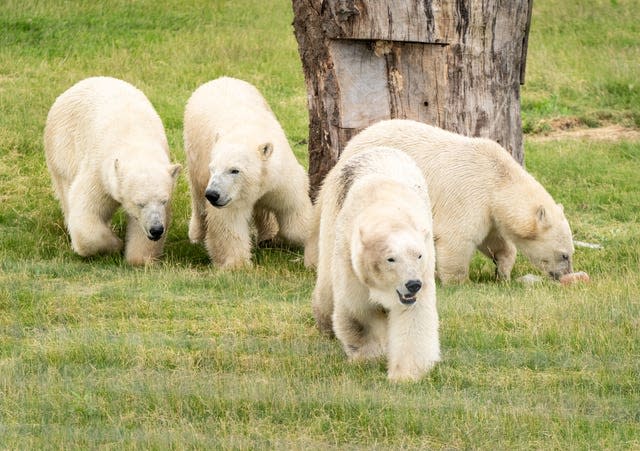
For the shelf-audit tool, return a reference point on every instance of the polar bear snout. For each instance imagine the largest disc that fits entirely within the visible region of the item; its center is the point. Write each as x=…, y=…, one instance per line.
x=215, y=198
x=153, y=219
x=155, y=232
x=212, y=196
x=407, y=293
x=153, y=225
x=413, y=286
x=565, y=266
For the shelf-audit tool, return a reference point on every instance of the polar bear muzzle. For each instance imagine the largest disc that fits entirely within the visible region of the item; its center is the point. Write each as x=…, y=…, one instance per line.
x=408, y=293
x=155, y=232
x=152, y=219
x=563, y=266
x=215, y=198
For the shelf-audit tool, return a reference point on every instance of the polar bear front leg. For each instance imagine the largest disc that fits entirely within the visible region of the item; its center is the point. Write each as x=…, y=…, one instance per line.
x=360, y=325
x=228, y=238
x=140, y=250
x=89, y=223
x=505, y=261
x=61, y=189
x=414, y=344
x=502, y=252
x=362, y=338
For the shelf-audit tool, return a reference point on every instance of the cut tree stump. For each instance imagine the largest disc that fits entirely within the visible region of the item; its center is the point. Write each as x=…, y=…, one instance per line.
x=456, y=64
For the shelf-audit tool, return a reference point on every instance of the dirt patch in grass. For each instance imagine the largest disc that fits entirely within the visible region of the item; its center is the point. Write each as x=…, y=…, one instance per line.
x=573, y=128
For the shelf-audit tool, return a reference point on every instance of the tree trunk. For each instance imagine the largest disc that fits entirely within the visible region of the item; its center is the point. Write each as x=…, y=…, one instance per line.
x=457, y=64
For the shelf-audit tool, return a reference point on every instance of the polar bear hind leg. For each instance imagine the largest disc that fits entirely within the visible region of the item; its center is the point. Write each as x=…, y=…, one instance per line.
x=266, y=224
x=453, y=259
x=293, y=218
x=322, y=301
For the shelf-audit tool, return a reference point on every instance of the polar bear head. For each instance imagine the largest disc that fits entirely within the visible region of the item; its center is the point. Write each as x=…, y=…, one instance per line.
x=236, y=172
x=393, y=255
x=548, y=243
x=145, y=193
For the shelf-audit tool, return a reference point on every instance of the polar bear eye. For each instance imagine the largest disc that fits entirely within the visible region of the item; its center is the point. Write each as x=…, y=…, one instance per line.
x=234, y=171
x=391, y=260
x=140, y=206
x=419, y=256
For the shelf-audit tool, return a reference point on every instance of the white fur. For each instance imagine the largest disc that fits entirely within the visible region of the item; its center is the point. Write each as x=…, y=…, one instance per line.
x=237, y=149
x=372, y=208
x=106, y=147
x=481, y=198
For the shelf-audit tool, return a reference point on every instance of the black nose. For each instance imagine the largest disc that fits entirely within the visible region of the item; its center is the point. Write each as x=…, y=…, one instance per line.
x=156, y=232
x=212, y=196
x=413, y=286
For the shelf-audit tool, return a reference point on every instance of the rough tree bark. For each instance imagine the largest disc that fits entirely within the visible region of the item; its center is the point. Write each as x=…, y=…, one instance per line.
x=457, y=64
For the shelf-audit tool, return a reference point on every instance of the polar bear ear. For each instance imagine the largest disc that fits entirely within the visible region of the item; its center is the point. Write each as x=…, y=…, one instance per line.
x=265, y=150
x=174, y=170
x=542, y=221
x=529, y=226
x=357, y=245
x=356, y=236
x=117, y=169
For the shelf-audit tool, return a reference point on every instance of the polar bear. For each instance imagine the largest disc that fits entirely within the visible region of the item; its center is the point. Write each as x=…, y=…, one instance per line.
x=481, y=198
x=243, y=174
x=375, y=286
x=106, y=147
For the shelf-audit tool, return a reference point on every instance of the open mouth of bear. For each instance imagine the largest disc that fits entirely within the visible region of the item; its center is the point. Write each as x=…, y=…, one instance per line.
x=406, y=299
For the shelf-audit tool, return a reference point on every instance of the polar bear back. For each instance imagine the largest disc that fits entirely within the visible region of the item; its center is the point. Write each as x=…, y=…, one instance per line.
x=91, y=122
x=220, y=106
x=463, y=173
x=443, y=157
x=378, y=162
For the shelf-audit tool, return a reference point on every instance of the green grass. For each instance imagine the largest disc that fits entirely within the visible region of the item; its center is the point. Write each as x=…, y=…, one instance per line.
x=96, y=354
x=583, y=63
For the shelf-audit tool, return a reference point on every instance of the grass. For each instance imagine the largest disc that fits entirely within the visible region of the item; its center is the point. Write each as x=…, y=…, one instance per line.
x=583, y=63
x=96, y=354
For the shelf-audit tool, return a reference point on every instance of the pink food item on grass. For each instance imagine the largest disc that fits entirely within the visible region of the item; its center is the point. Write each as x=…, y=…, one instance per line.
x=574, y=277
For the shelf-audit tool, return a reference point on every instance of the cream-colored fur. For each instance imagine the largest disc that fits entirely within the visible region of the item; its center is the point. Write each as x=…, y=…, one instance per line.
x=375, y=285
x=106, y=147
x=242, y=172
x=481, y=199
